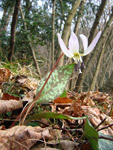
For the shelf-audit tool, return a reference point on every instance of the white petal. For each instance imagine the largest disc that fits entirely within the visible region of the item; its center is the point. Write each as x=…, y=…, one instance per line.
x=75, y=60
x=93, y=44
x=80, y=71
x=81, y=59
x=84, y=41
x=73, y=43
x=63, y=47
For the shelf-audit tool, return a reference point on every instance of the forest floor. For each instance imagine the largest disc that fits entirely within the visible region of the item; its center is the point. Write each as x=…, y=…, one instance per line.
x=46, y=127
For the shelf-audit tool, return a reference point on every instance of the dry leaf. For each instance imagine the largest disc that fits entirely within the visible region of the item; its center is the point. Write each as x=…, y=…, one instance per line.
x=96, y=116
x=24, y=137
x=62, y=100
x=7, y=106
x=28, y=97
x=4, y=75
x=76, y=108
x=7, y=96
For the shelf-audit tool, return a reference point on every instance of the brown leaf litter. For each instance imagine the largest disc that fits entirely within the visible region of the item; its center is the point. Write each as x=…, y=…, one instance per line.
x=24, y=137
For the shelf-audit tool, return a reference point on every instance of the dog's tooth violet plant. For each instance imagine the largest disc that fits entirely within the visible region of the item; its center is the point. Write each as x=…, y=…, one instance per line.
x=49, y=89
x=73, y=50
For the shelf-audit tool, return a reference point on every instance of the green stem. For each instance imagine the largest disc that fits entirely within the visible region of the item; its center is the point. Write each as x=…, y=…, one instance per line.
x=37, y=96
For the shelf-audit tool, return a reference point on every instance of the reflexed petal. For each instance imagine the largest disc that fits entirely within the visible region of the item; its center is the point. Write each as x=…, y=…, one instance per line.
x=73, y=43
x=84, y=41
x=75, y=60
x=81, y=59
x=80, y=71
x=82, y=65
x=63, y=47
x=71, y=54
x=93, y=44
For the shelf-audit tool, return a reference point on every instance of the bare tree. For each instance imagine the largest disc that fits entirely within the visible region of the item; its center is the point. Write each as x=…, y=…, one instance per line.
x=5, y=19
x=94, y=80
x=108, y=86
x=92, y=33
x=53, y=33
x=13, y=29
x=76, y=29
x=30, y=44
x=67, y=26
x=80, y=14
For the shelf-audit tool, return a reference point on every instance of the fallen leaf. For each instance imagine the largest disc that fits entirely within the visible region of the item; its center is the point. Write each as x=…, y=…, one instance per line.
x=7, y=106
x=4, y=75
x=28, y=97
x=24, y=137
x=7, y=96
x=96, y=116
x=62, y=100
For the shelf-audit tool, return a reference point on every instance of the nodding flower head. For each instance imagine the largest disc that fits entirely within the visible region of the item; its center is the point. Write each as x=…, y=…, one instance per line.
x=73, y=47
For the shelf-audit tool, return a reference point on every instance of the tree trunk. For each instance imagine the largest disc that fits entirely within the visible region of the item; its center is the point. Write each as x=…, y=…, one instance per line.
x=108, y=61
x=53, y=34
x=77, y=25
x=76, y=29
x=100, y=42
x=67, y=27
x=62, y=13
x=30, y=44
x=5, y=20
x=92, y=86
x=13, y=29
x=108, y=86
x=92, y=33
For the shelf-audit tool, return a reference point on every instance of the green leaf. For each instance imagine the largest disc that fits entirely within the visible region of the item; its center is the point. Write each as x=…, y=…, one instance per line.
x=105, y=144
x=64, y=94
x=53, y=115
x=56, y=83
x=91, y=134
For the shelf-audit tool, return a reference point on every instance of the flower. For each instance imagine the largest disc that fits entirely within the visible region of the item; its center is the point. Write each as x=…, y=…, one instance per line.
x=73, y=47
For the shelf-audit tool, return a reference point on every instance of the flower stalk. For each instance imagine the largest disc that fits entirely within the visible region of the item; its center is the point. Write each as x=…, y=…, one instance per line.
x=29, y=107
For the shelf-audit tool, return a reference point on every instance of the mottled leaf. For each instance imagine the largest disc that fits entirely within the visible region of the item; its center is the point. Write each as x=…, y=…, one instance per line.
x=91, y=134
x=56, y=83
x=105, y=144
x=64, y=94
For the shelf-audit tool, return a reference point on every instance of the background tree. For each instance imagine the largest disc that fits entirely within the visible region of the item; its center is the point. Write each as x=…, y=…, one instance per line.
x=13, y=29
x=36, y=33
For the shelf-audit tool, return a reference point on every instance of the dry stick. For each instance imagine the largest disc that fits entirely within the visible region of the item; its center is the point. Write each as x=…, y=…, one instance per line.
x=105, y=127
x=107, y=138
x=37, y=96
x=101, y=122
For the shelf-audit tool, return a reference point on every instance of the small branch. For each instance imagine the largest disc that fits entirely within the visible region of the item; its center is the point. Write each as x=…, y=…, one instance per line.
x=105, y=127
x=107, y=138
x=101, y=122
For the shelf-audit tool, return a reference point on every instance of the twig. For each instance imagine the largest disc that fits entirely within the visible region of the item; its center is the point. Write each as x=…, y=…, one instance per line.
x=107, y=138
x=20, y=144
x=101, y=122
x=105, y=127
